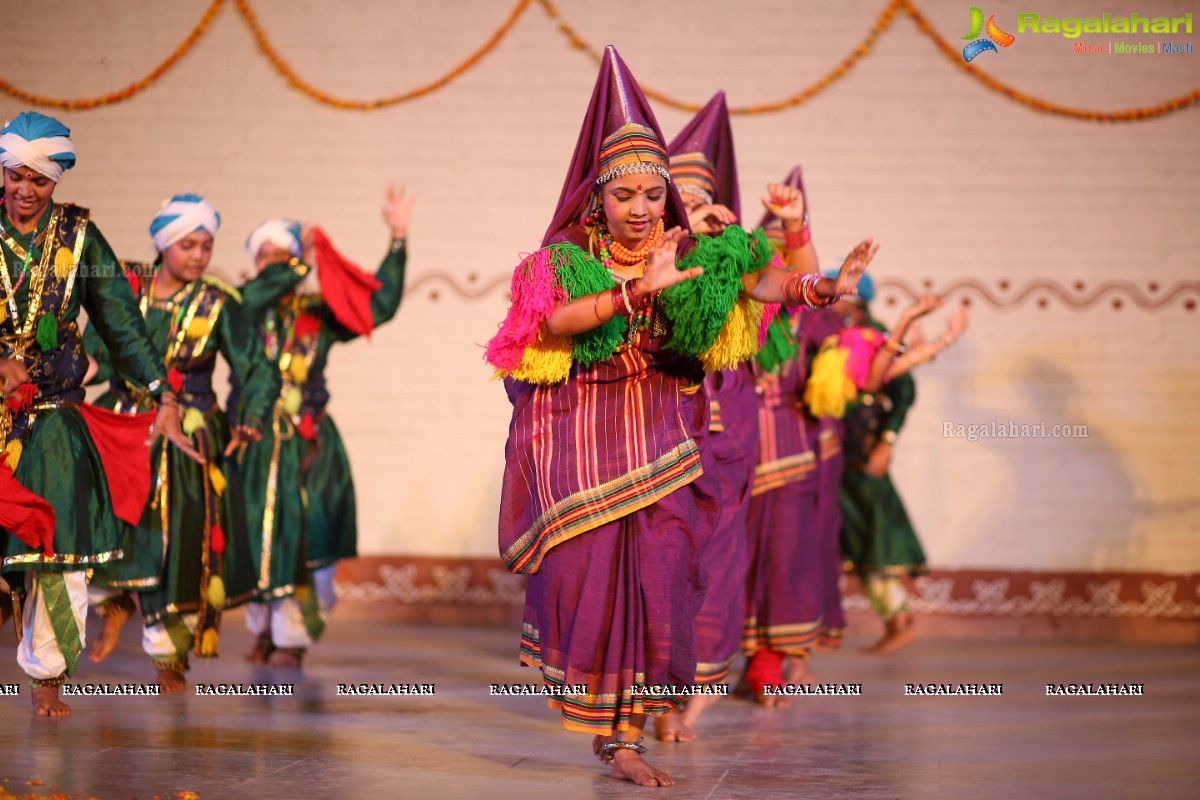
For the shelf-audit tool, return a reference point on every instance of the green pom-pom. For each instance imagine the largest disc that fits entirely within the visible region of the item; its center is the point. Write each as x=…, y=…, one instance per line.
x=698, y=308
x=579, y=274
x=47, y=332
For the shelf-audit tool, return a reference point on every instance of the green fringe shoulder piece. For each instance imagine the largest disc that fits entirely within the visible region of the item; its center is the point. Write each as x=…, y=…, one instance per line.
x=780, y=347
x=580, y=274
x=698, y=309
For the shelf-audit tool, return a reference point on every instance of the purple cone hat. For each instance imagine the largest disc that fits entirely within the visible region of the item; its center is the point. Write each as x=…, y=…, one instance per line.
x=620, y=136
x=795, y=179
x=702, y=159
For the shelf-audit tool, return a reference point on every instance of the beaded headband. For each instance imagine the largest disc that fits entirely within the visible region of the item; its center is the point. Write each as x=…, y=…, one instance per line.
x=633, y=149
x=694, y=175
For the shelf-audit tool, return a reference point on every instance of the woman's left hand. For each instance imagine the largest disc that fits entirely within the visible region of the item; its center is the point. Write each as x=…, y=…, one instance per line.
x=854, y=266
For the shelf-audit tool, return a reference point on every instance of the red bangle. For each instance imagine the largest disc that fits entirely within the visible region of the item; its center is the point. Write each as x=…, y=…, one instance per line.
x=794, y=240
x=620, y=307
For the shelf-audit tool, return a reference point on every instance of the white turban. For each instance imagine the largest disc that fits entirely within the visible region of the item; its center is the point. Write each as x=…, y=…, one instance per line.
x=41, y=143
x=284, y=233
x=181, y=215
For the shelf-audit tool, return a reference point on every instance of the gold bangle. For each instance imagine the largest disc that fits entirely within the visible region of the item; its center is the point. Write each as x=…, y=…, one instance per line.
x=888, y=436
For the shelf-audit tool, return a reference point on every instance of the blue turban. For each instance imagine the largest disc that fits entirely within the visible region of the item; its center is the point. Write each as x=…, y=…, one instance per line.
x=41, y=143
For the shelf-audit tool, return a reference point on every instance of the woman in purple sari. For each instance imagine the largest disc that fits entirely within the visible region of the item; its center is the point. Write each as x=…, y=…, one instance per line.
x=610, y=494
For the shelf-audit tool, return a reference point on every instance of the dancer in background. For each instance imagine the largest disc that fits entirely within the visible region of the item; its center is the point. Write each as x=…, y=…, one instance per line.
x=50, y=443
x=197, y=512
x=610, y=493
x=878, y=541
x=299, y=489
x=788, y=598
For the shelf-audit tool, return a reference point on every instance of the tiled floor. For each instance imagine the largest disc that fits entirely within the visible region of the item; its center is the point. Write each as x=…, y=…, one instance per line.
x=463, y=743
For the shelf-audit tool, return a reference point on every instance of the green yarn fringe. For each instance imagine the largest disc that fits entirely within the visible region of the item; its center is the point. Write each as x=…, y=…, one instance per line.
x=780, y=346
x=698, y=308
x=579, y=274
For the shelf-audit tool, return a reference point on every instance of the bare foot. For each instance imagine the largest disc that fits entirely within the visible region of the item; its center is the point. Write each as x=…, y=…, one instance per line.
x=261, y=651
x=628, y=765
x=670, y=727
x=695, y=707
x=893, y=640
x=286, y=658
x=110, y=634
x=797, y=671
x=170, y=680
x=598, y=746
x=47, y=704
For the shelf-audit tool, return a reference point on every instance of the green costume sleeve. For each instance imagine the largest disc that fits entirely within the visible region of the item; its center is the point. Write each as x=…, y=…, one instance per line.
x=385, y=301
x=114, y=315
x=902, y=391
x=94, y=346
x=263, y=292
x=242, y=348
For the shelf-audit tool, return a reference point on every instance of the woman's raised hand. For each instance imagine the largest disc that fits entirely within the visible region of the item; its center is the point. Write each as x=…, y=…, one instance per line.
x=661, y=271
x=854, y=266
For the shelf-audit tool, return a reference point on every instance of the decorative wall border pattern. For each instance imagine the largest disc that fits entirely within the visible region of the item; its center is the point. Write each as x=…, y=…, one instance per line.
x=1003, y=295
x=963, y=593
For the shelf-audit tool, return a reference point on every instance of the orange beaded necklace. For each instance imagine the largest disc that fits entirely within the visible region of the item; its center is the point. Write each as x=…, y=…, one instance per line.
x=623, y=255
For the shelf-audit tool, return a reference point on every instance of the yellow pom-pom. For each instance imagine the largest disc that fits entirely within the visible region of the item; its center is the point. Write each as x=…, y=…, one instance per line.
x=829, y=389
x=298, y=369
x=216, y=592
x=217, y=479
x=198, y=328
x=193, y=420
x=64, y=262
x=291, y=401
x=208, y=643
x=12, y=454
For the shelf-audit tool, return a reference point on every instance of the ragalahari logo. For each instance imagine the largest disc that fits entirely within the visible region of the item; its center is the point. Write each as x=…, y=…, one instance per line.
x=995, y=36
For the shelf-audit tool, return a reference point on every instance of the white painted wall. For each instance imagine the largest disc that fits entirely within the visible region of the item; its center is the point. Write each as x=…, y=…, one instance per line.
x=955, y=180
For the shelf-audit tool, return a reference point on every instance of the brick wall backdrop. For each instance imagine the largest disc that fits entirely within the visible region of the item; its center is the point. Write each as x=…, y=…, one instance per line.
x=1043, y=214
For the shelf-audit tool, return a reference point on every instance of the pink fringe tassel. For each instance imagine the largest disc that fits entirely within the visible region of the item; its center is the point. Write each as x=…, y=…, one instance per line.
x=535, y=295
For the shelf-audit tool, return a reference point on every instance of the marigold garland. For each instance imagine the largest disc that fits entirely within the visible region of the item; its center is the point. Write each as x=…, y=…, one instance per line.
x=882, y=23
x=129, y=91
x=284, y=69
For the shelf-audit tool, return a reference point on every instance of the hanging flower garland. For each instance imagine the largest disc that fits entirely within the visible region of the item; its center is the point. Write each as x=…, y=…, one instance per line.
x=882, y=23
x=294, y=80
x=129, y=91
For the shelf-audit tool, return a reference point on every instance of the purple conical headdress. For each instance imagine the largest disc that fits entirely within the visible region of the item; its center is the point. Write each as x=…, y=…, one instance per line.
x=619, y=136
x=702, y=159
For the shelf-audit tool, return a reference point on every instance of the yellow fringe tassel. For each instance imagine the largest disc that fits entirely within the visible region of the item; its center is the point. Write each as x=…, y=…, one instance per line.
x=738, y=340
x=829, y=389
x=548, y=360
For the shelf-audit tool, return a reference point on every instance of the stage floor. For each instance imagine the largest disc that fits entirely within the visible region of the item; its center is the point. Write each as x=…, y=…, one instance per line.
x=462, y=742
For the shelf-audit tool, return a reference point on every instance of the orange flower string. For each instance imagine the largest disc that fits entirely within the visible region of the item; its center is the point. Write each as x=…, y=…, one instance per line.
x=129, y=91
x=284, y=69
